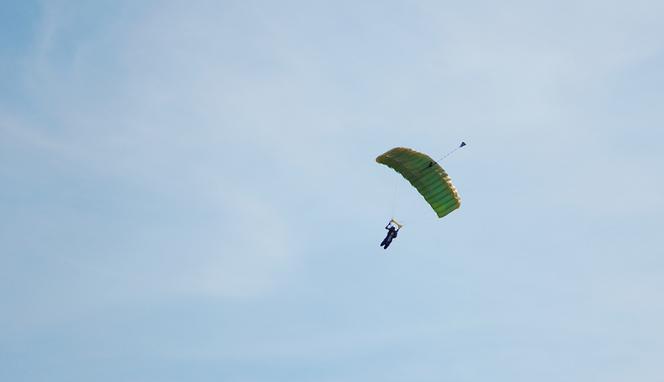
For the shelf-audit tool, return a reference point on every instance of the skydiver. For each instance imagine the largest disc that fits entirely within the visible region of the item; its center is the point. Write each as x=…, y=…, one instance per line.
x=391, y=234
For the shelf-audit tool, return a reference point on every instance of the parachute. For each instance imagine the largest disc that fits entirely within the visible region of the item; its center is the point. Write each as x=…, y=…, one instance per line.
x=426, y=175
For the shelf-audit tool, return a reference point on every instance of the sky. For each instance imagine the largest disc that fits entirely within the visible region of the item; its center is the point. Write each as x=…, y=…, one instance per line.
x=189, y=191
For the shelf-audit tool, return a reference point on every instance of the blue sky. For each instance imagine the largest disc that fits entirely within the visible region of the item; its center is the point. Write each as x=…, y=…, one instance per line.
x=189, y=191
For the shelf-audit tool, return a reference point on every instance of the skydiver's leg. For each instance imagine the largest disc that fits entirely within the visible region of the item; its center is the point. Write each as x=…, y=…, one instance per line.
x=384, y=240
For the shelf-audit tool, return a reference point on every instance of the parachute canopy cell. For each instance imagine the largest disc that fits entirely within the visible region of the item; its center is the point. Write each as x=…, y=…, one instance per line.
x=427, y=176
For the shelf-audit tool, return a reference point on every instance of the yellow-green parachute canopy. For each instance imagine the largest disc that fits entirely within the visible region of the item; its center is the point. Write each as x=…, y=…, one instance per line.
x=426, y=176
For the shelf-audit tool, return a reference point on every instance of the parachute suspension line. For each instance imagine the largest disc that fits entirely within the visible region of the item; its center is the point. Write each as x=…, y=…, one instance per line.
x=394, y=199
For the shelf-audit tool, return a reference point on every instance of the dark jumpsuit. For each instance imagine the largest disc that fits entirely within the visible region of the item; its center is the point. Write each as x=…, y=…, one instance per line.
x=391, y=234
